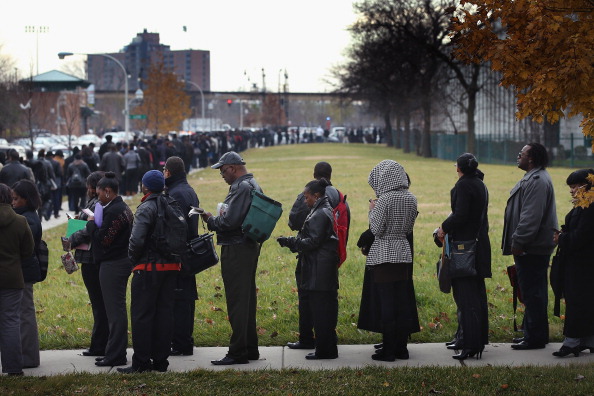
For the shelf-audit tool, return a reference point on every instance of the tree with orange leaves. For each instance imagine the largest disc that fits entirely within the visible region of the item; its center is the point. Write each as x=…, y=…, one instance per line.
x=165, y=103
x=542, y=48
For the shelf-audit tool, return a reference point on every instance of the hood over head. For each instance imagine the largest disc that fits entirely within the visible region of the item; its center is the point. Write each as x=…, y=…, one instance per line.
x=386, y=176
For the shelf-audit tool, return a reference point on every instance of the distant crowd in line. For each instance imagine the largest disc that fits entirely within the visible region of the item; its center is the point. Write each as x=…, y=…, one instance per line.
x=119, y=243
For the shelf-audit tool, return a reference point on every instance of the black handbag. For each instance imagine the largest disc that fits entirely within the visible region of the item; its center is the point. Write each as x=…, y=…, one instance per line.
x=462, y=259
x=463, y=253
x=200, y=256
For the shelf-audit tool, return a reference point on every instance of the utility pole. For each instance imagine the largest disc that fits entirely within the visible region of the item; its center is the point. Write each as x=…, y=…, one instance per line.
x=37, y=30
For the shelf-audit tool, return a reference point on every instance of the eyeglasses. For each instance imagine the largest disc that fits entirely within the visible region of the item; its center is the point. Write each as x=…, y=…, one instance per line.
x=223, y=170
x=521, y=154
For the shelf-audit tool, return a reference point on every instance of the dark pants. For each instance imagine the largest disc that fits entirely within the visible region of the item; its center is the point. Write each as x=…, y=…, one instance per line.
x=131, y=179
x=470, y=296
x=113, y=276
x=323, y=307
x=306, y=324
x=10, y=330
x=79, y=198
x=183, y=313
x=238, y=267
x=532, y=279
x=100, y=334
x=151, y=312
x=57, y=200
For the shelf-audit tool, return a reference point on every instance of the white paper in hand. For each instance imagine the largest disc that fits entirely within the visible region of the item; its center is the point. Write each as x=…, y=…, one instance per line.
x=195, y=210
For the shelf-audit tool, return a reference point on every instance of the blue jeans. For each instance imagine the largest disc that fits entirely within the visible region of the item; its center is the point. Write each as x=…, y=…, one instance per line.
x=533, y=282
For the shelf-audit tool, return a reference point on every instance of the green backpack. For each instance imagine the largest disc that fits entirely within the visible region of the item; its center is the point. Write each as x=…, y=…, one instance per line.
x=261, y=218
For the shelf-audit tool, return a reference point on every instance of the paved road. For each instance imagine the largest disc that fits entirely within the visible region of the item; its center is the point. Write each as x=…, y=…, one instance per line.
x=355, y=356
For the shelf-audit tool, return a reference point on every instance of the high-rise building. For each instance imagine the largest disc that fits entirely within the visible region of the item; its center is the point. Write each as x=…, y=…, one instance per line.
x=144, y=50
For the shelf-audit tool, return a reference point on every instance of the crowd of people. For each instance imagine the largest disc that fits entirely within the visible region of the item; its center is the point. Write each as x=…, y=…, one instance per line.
x=117, y=243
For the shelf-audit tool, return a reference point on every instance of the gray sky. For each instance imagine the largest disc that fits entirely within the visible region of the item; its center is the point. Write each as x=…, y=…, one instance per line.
x=305, y=37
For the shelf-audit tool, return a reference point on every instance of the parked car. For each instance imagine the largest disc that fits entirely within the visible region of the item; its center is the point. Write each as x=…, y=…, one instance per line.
x=88, y=138
x=120, y=136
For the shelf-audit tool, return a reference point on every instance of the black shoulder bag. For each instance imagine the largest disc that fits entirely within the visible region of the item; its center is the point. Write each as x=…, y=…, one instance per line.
x=200, y=255
x=463, y=253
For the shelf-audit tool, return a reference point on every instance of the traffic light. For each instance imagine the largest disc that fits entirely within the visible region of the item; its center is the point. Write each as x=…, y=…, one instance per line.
x=229, y=102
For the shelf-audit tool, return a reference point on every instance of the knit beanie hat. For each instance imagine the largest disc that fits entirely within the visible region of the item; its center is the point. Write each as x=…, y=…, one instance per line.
x=154, y=180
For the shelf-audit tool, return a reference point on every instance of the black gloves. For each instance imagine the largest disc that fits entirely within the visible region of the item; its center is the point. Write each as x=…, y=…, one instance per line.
x=283, y=241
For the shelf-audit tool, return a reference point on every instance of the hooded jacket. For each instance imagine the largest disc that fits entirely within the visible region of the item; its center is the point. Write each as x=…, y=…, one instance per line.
x=393, y=216
x=16, y=245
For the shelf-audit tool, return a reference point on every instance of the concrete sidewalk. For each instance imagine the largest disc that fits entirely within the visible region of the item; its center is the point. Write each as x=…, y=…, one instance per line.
x=56, y=362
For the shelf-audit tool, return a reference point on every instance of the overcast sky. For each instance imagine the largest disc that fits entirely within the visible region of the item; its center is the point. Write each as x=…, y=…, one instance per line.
x=305, y=37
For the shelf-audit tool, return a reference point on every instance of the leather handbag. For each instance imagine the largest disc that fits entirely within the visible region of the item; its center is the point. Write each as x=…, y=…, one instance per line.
x=463, y=253
x=200, y=255
x=462, y=259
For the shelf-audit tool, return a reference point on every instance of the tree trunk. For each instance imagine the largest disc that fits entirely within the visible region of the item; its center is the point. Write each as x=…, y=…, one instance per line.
x=388, y=125
x=471, y=138
x=472, y=91
x=426, y=136
x=397, y=143
x=406, y=138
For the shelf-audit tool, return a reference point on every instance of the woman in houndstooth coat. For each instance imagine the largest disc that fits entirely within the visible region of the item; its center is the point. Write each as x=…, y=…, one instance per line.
x=391, y=217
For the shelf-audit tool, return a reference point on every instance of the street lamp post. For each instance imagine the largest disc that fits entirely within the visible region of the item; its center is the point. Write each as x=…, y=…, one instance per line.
x=201, y=94
x=62, y=55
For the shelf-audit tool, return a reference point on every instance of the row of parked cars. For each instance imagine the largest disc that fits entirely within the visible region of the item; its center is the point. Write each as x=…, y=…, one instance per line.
x=59, y=142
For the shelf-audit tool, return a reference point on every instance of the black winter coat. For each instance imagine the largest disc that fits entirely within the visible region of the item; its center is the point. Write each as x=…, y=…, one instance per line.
x=179, y=189
x=110, y=241
x=469, y=202
x=576, y=244
x=30, y=266
x=142, y=248
x=317, y=247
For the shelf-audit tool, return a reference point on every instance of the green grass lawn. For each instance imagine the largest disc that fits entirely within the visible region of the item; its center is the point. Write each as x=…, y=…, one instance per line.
x=64, y=313
x=458, y=381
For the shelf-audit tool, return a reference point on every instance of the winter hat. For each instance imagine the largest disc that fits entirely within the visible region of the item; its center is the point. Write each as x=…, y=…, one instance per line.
x=154, y=180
